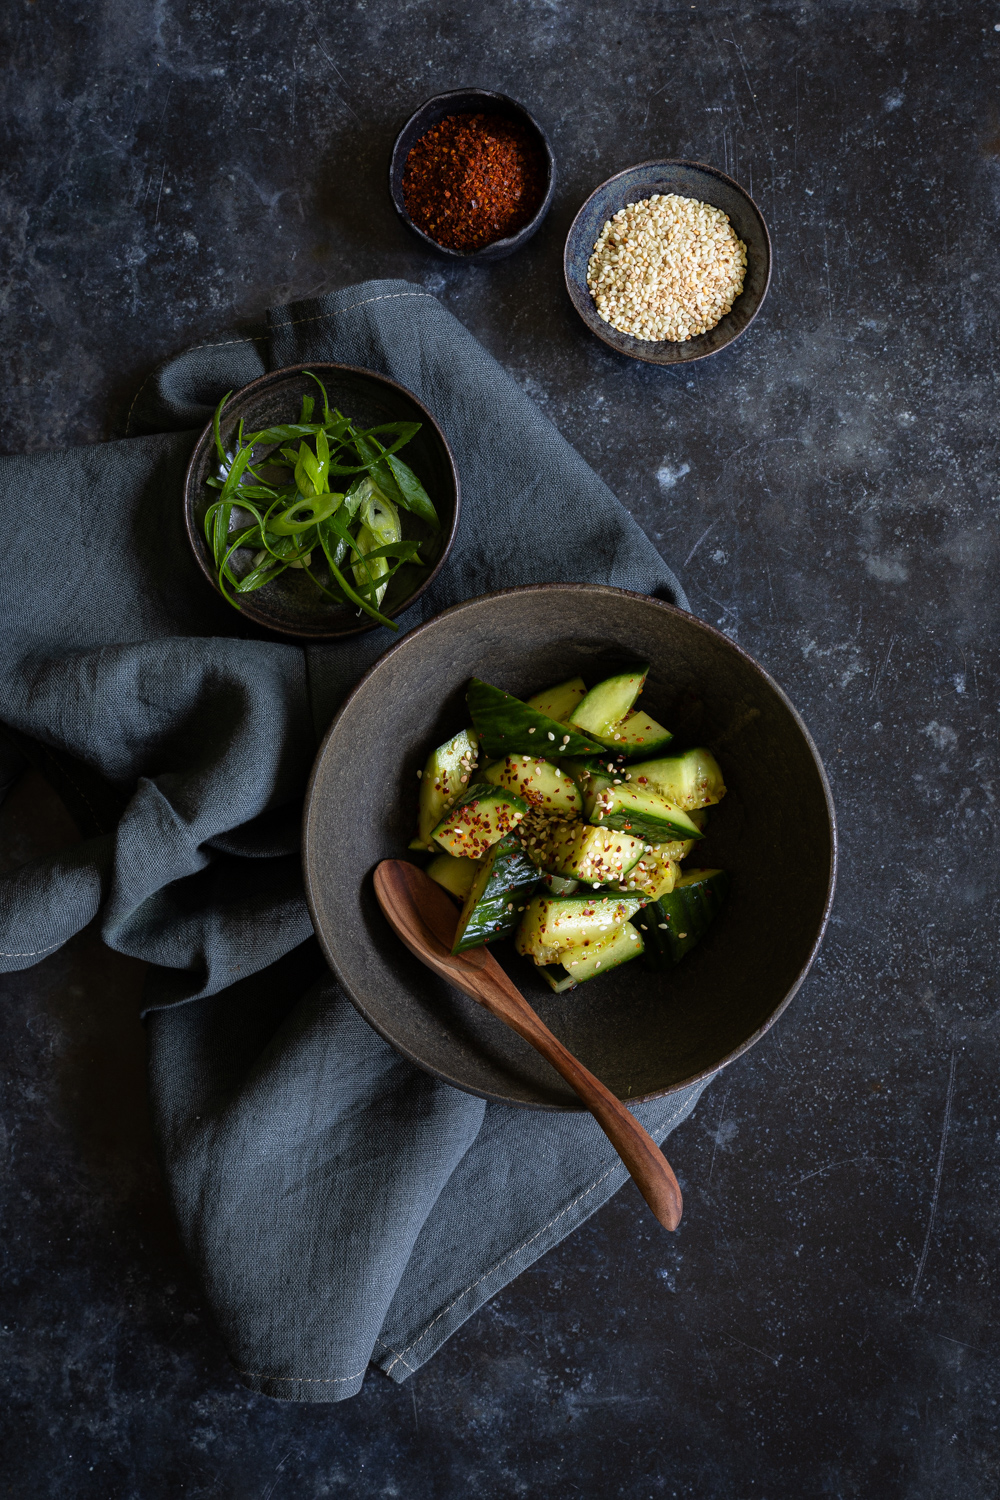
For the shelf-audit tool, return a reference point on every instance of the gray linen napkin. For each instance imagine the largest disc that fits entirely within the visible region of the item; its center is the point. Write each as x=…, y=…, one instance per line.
x=342, y=1208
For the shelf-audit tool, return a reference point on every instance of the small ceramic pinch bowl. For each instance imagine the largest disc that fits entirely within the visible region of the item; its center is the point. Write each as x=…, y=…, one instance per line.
x=292, y=605
x=644, y=1033
x=688, y=179
x=470, y=102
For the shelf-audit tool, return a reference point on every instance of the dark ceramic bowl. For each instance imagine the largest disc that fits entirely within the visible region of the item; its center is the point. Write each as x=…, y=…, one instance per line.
x=292, y=605
x=689, y=179
x=469, y=102
x=643, y=1033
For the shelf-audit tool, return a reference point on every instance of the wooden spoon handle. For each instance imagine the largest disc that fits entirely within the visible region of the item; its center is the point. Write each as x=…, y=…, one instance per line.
x=649, y=1168
x=423, y=919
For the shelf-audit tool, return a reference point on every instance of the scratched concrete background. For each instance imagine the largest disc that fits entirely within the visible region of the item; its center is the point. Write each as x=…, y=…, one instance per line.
x=826, y=1321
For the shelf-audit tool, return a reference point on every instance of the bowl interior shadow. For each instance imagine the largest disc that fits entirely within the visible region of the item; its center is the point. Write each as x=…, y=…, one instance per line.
x=292, y=604
x=644, y=1033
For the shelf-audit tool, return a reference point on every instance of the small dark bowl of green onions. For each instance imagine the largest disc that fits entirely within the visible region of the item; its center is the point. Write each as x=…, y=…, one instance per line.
x=321, y=500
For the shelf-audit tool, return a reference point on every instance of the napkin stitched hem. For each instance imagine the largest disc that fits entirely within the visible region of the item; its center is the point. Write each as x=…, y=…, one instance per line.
x=613, y=1169
x=251, y=338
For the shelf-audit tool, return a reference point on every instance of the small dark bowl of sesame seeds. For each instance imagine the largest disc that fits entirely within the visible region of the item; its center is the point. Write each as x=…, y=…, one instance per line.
x=647, y=250
x=472, y=174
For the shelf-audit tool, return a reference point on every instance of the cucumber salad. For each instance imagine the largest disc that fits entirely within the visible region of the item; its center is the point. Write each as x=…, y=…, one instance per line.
x=563, y=822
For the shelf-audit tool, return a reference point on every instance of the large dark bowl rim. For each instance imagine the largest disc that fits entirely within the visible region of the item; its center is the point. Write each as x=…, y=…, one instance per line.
x=496, y=249
x=194, y=536
x=639, y=166
x=755, y=666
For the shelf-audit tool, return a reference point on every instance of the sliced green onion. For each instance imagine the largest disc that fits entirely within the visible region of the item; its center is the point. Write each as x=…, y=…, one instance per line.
x=295, y=515
x=304, y=512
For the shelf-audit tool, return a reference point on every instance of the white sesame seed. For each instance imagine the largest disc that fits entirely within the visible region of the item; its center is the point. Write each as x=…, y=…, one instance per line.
x=532, y=729
x=550, y=734
x=666, y=268
x=419, y=774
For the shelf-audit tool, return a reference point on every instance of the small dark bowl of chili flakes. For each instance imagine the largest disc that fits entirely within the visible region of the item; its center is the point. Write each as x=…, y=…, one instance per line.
x=472, y=174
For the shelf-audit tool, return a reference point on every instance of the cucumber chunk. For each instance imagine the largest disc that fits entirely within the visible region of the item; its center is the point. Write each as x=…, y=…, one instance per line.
x=678, y=849
x=578, y=851
x=552, y=924
x=673, y=925
x=637, y=810
x=448, y=770
x=585, y=767
x=674, y=850
x=556, y=977
x=580, y=963
x=498, y=895
x=652, y=876
x=455, y=873
x=688, y=781
x=559, y=702
x=559, y=885
x=507, y=726
x=539, y=782
x=480, y=817
x=600, y=712
x=639, y=737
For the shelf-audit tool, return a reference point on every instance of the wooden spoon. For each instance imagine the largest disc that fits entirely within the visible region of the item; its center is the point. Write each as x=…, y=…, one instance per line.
x=422, y=914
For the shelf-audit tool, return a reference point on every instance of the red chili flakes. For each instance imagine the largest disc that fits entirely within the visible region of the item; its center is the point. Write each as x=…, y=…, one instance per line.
x=473, y=179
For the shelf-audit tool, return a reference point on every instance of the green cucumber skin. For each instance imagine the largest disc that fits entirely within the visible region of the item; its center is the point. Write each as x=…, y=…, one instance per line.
x=690, y=908
x=506, y=879
x=653, y=739
x=608, y=702
x=494, y=918
x=506, y=726
x=642, y=813
x=656, y=830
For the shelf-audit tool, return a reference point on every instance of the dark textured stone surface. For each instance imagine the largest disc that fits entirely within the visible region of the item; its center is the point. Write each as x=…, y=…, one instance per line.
x=826, y=1322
